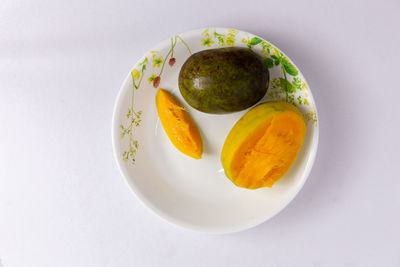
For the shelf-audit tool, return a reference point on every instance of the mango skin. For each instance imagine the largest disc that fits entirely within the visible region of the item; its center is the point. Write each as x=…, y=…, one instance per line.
x=263, y=145
x=223, y=80
x=178, y=125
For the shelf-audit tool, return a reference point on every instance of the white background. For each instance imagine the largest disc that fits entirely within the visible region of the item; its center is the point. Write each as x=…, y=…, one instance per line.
x=63, y=201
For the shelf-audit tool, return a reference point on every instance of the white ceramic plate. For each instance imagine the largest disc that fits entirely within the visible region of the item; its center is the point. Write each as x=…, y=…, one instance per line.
x=191, y=193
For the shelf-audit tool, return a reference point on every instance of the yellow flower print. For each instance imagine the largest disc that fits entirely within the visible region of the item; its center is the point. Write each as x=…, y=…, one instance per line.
x=232, y=31
x=152, y=78
x=135, y=74
x=157, y=61
x=230, y=40
x=306, y=102
x=312, y=116
x=299, y=100
x=275, y=51
x=265, y=51
x=207, y=41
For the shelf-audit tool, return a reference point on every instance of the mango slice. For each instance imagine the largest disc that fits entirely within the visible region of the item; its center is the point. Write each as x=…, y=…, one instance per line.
x=178, y=125
x=263, y=145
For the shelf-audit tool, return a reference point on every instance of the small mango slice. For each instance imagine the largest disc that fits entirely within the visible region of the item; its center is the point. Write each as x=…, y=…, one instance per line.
x=178, y=125
x=263, y=145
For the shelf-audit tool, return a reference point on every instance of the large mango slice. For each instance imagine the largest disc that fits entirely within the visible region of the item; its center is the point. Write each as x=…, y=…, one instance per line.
x=178, y=125
x=263, y=145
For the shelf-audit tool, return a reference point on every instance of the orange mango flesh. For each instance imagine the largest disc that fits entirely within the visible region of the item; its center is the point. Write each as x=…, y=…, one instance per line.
x=263, y=145
x=178, y=125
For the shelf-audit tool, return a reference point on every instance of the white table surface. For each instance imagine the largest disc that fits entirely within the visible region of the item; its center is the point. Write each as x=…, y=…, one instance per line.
x=63, y=201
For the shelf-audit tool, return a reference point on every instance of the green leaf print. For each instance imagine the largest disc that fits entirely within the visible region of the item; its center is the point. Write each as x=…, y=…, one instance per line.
x=277, y=61
x=289, y=67
x=286, y=85
x=255, y=41
x=268, y=62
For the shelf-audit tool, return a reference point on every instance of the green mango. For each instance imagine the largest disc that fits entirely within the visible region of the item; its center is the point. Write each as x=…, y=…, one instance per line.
x=223, y=80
